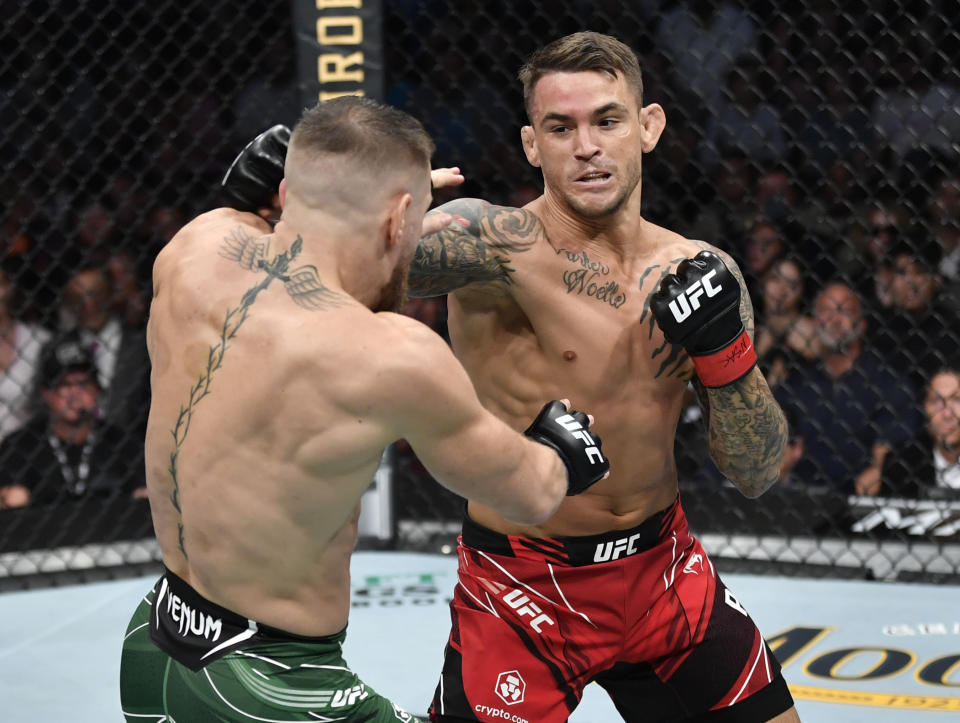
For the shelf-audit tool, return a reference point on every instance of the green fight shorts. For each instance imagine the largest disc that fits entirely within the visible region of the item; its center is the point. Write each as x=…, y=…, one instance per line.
x=188, y=660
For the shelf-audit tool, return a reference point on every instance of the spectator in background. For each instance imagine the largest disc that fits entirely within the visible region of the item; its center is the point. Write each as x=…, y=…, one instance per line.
x=784, y=334
x=129, y=298
x=120, y=352
x=20, y=346
x=864, y=257
x=95, y=229
x=825, y=214
x=943, y=213
x=129, y=202
x=929, y=463
x=795, y=448
x=916, y=332
x=847, y=400
x=67, y=451
x=763, y=245
x=776, y=196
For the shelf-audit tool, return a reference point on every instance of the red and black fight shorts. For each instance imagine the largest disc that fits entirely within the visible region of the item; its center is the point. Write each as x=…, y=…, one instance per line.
x=641, y=612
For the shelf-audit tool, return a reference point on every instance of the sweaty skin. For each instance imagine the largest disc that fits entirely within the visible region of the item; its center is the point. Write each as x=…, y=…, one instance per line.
x=272, y=402
x=556, y=296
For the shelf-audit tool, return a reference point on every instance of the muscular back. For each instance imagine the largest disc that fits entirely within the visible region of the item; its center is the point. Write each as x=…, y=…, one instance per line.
x=257, y=452
x=532, y=318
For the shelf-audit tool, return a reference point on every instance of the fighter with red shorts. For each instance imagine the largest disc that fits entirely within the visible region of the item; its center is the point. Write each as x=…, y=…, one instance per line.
x=642, y=612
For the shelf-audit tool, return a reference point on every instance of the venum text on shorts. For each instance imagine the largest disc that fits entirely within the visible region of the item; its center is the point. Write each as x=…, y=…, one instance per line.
x=192, y=621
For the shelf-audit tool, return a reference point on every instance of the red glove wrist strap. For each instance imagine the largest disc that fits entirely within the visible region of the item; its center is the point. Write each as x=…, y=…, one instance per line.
x=727, y=365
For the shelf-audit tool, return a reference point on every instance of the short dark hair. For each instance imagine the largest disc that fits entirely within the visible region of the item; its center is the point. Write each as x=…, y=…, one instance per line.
x=582, y=51
x=373, y=133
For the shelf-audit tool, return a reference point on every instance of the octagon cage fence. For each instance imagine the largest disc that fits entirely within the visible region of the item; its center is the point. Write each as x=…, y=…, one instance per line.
x=816, y=142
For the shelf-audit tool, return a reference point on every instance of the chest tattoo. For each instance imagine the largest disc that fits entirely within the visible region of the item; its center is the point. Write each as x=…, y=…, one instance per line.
x=588, y=278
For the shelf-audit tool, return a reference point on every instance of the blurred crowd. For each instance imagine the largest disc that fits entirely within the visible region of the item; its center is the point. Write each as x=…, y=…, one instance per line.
x=818, y=144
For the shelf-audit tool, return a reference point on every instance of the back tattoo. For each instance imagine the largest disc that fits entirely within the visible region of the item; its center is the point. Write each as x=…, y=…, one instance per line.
x=304, y=286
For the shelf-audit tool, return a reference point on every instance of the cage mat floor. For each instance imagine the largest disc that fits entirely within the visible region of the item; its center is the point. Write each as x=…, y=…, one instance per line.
x=852, y=651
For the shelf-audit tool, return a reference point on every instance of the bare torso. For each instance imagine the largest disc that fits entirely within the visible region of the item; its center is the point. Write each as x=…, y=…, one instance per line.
x=576, y=323
x=256, y=455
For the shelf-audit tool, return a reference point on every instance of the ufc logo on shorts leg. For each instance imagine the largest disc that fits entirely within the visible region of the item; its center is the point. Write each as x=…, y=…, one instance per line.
x=573, y=426
x=525, y=606
x=689, y=301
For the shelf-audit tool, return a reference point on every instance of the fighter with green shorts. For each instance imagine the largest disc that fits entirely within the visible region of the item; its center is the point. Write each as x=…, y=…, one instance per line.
x=279, y=373
x=263, y=674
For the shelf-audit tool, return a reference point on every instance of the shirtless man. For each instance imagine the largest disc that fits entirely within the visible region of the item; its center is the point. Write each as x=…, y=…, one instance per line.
x=279, y=374
x=577, y=292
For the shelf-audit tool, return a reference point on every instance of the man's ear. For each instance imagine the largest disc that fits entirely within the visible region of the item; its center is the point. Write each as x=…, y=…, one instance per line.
x=397, y=219
x=652, y=122
x=283, y=192
x=528, y=138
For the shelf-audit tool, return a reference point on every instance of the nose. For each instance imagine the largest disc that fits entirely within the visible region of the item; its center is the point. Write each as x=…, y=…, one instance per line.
x=586, y=147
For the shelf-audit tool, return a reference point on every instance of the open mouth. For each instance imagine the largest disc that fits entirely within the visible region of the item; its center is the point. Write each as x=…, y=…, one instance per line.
x=593, y=177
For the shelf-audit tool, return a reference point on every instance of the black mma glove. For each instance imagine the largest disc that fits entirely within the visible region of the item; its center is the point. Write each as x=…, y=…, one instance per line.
x=698, y=307
x=255, y=174
x=566, y=433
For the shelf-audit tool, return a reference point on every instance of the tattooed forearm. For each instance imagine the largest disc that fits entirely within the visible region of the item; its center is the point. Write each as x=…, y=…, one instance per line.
x=746, y=427
x=747, y=432
x=479, y=253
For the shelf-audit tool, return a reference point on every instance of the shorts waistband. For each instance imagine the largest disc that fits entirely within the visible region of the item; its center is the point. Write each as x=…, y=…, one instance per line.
x=195, y=631
x=574, y=551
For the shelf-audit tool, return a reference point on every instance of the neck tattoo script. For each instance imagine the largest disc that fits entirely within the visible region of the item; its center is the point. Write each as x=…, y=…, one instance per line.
x=304, y=287
x=588, y=279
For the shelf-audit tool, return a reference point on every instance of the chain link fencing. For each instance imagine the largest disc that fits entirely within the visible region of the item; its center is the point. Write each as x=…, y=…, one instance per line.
x=816, y=143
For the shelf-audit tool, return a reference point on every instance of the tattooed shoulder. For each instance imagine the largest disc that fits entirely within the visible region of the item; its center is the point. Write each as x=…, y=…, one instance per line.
x=480, y=252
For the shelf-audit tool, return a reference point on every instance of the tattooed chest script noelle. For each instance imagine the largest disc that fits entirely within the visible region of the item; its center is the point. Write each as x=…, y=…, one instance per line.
x=304, y=287
x=587, y=279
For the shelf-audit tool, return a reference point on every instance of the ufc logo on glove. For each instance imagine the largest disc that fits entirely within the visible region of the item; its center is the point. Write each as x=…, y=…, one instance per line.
x=576, y=429
x=714, y=338
x=566, y=433
x=689, y=301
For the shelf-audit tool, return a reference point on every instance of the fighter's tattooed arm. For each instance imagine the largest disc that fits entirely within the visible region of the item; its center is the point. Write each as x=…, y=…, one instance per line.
x=746, y=427
x=304, y=286
x=479, y=253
